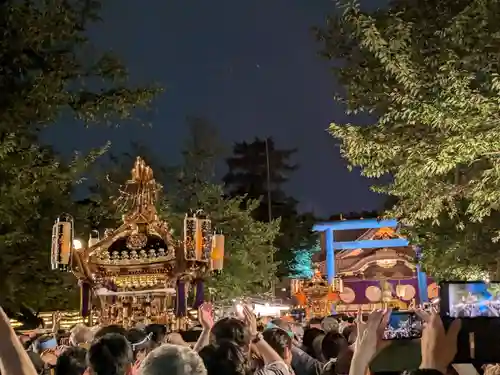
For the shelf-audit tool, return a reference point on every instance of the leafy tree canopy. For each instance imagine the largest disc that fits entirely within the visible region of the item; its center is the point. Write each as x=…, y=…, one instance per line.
x=428, y=71
x=48, y=69
x=248, y=176
x=248, y=265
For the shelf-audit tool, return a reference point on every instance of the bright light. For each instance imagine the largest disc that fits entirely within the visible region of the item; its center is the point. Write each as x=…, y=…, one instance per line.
x=77, y=244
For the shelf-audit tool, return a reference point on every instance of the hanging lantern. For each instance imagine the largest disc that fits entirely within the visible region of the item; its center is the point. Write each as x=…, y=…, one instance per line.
x=62, y=243
x=190, y=237
x=198, y=237
x=217, y=261
x=338, y=285
x=400, y=290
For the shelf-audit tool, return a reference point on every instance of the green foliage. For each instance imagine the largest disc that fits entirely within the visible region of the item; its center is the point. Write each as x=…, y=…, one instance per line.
x=428, y=71
x=48, y=69
x=302, y=265
x=247, y=176
x=248, y=265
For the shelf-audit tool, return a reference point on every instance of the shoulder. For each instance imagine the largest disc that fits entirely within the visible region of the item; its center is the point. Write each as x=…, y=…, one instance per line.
x=275, y=368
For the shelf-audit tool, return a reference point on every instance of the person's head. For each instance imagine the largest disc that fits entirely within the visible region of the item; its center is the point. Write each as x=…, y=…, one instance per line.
x=330, y=324
x=225, y=358
x=281, y=342
x=315, y=323
x=175, y=338
x=343, y=364
x=80, y=334
x=310, y=335
x=172, y=360
x=348, y=332
x=114, y=328
x=140, y=341
x=231, y=329
x=158, y=332
x=71, y=361
x=332, y=344
x=280, y=323
x=110, y=354
x=44, y=343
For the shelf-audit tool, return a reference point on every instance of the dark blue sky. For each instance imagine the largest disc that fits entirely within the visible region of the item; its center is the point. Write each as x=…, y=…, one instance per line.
x=248, y=66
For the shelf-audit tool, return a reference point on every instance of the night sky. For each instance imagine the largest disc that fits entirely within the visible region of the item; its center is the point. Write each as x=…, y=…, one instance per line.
x=248, y=66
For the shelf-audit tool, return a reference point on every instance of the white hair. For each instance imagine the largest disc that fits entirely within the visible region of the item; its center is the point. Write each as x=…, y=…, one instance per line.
x=80, y=334
x=172, y=360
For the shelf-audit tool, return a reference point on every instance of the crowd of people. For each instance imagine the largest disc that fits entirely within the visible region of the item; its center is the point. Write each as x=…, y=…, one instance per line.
x=231, y=346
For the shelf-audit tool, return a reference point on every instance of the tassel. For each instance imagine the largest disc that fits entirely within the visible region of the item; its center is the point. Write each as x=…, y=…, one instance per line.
x=180, y=305
x=199, y=291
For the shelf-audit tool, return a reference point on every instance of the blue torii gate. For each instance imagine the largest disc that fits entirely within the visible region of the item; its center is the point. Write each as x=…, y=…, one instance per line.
x=332, y=245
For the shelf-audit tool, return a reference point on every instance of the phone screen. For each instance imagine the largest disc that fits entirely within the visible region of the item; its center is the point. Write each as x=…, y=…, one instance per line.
x=403, y=325
x=471, y=299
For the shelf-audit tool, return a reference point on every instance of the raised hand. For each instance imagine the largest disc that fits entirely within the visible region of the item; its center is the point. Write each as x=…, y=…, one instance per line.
x=439, y=347
x=205, y=317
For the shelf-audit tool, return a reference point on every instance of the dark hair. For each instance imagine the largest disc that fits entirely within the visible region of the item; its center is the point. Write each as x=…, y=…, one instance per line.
x=343, y=363
x=333, y=343
x=309, y=335
x=139, y=340
x=315, y=320
x=279, y=340
x=282, y=324
x=225, y=358
x=191, y=335
x=110, y=355
x=158, y=331
x=72, y=361
x=347, y=331
x=114, y=328
x=231, y=329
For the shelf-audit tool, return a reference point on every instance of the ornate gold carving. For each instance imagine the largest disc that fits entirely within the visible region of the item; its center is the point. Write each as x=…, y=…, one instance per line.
x=137, y=241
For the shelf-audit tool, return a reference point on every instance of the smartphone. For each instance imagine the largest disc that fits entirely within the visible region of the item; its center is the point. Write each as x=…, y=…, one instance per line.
x=403, y=325
x=470, y=299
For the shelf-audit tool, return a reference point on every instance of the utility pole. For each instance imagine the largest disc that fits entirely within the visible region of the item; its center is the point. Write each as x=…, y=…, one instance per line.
x=269, y=206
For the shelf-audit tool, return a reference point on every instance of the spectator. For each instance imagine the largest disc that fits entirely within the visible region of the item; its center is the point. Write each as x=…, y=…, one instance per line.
x=111, y=354
x=172, y=360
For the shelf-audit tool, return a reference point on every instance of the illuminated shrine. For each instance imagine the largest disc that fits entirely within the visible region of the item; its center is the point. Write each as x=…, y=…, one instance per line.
x=368, y=264
x=140, y=271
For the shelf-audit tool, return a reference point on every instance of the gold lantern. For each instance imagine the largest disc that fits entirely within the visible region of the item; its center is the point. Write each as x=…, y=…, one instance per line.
x=198, y=237
x=62, y=243
x=217, y=261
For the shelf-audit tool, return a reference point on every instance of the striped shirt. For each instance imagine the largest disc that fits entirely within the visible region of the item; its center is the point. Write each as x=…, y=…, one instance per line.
x=275, y=368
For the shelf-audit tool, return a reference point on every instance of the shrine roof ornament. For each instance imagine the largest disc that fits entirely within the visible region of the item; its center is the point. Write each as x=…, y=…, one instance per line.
x=139, y=196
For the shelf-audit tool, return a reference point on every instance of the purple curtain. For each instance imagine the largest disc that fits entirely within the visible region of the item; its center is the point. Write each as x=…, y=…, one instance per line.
x=85, y=299
x=199, y=293
x=180, y=304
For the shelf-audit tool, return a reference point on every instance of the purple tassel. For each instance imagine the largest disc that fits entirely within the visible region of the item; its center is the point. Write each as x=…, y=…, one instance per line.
x=85, y=299
x=180, y=305
x=199, y=297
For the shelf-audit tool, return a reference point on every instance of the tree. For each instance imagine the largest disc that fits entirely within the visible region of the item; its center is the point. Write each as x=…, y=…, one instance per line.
x=428, y=71
x=302, y=265
x=248, y=176
x=248, y=268
x=48, y=68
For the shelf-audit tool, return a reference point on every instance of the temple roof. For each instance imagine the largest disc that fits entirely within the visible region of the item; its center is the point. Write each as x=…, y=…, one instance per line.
x=142, y=238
